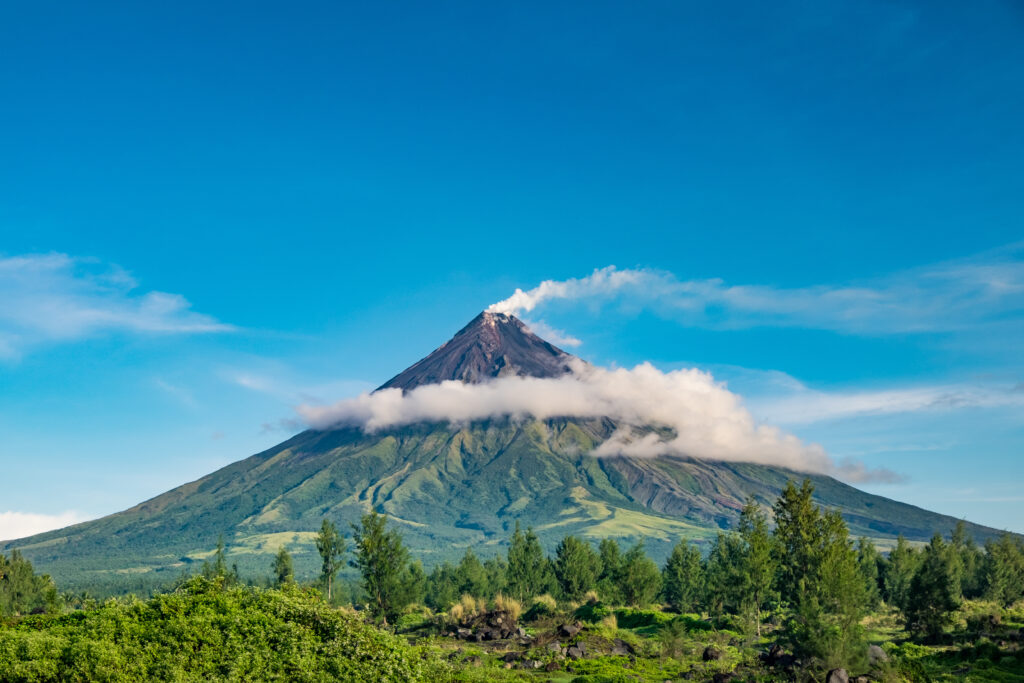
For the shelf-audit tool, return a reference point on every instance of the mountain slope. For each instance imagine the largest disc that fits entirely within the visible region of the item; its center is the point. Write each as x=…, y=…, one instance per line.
x=491, y=345
x=447, y=487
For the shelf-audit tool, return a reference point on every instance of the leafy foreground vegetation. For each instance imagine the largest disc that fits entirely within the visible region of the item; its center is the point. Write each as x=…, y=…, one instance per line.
x=797, y=602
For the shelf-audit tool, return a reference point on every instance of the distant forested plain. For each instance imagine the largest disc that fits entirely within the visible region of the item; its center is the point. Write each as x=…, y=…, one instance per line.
x=786, y=595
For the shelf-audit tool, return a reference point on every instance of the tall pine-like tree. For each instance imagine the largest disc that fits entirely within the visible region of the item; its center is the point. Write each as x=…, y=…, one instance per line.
x=639, y=580
x=899, y=572
x=331, y=546
x=682, y=578
x=576, y=567
x=759, y=563
x=383, y=561
x=284, y=571
x=529, y=572
x=934, y=591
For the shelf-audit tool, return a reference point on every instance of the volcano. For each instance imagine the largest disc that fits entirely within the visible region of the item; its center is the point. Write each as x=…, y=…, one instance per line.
x=447, y=487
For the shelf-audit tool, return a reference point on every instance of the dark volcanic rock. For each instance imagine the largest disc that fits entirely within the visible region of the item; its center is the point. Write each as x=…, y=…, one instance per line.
x=837, y=676
x=491, y=345
x=569, y=630
x=711, y=654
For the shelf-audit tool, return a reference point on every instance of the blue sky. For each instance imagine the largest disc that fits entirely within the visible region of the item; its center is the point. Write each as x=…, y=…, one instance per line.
x=210, y=216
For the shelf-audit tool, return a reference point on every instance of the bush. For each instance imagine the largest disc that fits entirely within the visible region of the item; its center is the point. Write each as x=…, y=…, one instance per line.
x=207, y=632
x=510, y=606
x=541, y=606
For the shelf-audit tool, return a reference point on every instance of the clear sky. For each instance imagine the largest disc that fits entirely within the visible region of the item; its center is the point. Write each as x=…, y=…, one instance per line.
x=209, y=216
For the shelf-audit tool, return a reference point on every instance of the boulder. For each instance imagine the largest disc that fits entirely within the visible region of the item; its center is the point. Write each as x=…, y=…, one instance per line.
x=621, y=647
x=569, y=630
x=837, y=676
x=530, y=664
x=472, y=660
x=552, y=666
x=574, y=652
x=463, y=633
x=876, y=655
x=712, y=654
x=554, y=646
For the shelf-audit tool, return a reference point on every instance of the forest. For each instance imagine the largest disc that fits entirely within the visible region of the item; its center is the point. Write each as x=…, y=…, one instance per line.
x=785, y=595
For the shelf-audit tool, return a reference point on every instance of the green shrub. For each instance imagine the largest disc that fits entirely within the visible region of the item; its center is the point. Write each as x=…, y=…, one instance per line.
x=207, y=632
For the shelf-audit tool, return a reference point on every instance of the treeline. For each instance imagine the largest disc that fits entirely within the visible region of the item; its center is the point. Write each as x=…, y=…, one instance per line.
x=806, y=575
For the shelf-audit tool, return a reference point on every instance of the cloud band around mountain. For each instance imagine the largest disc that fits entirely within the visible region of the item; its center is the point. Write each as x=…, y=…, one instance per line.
x=704, y=419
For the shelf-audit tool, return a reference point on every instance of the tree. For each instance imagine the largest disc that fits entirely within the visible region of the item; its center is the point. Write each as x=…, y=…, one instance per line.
x=796, y=523
x=758, y=560
x=576, y=567
x=442, y=587
x=610, y=556
x=331, y=546
x=969, y=561
x=284, y=571
x=21, y=589
x=471, y=575
x=1004, y=570
x=682, y=578
x=899, y=573
x=934, y=591
x=726, y=588
x=219, y=567
x=819, y=577
x=383, y=561
x=640, y=580
x=529, y=572
x=868, y=560
x=496, y=570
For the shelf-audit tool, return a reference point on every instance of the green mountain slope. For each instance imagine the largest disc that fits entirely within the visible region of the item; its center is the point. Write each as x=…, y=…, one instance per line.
x=447, y=488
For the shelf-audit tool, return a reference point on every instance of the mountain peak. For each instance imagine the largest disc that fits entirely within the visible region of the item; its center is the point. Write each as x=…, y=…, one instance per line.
x=492, y=345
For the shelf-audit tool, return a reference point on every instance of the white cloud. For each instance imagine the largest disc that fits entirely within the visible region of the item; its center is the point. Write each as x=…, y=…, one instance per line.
x=704, y=419
x=986, y=290
x=15, y=525
x=802, y=405
x=556, y=337
x=58, y=298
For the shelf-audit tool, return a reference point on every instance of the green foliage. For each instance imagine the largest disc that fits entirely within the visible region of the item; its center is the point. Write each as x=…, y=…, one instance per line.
x=284, y=570
x=758, y=563
x=682, y=578
x=868, y=562
x=828, y=592
x=207, y=631
x=576, y=567
x=899, y=572
x=442, y=587
x=725, y=586
x=383, y=562
x=969, y=561
x=529, y=572
x=639, y=579
x=21, y=589
x=934, y=591
x=610, y=557
x=1004, y=570
x=331, y=546
x=471, y=576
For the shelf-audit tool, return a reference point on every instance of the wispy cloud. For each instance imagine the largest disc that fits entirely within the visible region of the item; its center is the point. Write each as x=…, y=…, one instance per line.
x=49, y=298
x=703, y=418
x=799, y=404
x=21, y=524
x=983, y=291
